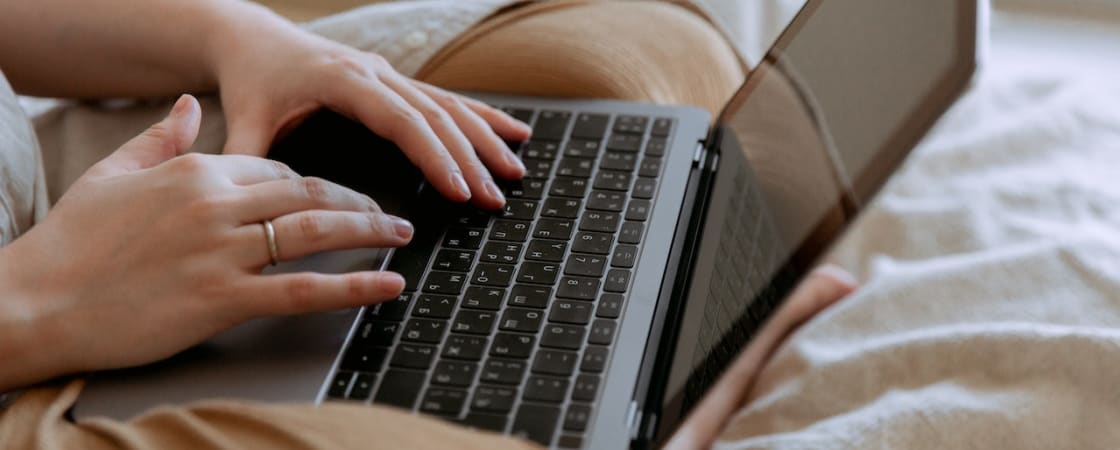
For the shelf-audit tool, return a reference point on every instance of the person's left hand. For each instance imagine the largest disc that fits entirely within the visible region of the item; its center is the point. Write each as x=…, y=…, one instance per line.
x=273, y=74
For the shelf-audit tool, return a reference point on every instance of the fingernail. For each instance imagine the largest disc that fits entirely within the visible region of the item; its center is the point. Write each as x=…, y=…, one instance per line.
x=181, y=104
x=495, y=191
x=402, y=227
x=513, y=159
x=461, y=185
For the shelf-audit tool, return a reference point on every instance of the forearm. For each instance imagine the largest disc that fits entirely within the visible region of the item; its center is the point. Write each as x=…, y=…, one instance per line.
x=27, y=349
x=121, y=48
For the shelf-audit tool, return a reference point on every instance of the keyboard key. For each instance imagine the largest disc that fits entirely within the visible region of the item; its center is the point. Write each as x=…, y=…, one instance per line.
x=618, y=280
x=585, y=265
x=592, y=243
x=565, y=208
x=644, y=188
x=650, y=168
x=400, y=388
x=523, y=320
x=424, y=330
x=555, y=362
x=524, y=115
x=582, y=148
x=493, y=399
x=443, y=401
x=661, y=126
x=376, y=333
x=586, y=388
x=625, y=142
x=541, y=150
x=546, y=250
x=474, y=322
x=569, y=441
x=473, y=218
x=454, y=373
x=469, y=348
x=530, y=296
x=630, y=124
x=567, y=311
x=606, y=200
x=569, y=187
x=412, y=356
x=631, y=232
x=606, y=222
x=439, y=306
x=575, y=167
x=454, y=260
x=624, y=256
x=612, y=181
x=487, y=298
x=488, y=422
x=637, y=210
x=340, y=384
x=365, y=359
x=464, y=238
x=509, y=345
x=395, y=309
x=578, y=288
x=501, y=252
x=567, y=337
x=577, y=417
x=492, y=275
x=528, y=189
x=363, y=387
x=538, y=273
x=553, y=229
x=518, y=209
x=545, y=389
x=536, y=423
x=447, y=283
x=610, y=306
x=656, y=146
x=510, y=230
x=594, y=359
x=590, y=126
x=620, y=161
x=537, y=168
x=503, y=371
x=602, y=332
x=551, y=125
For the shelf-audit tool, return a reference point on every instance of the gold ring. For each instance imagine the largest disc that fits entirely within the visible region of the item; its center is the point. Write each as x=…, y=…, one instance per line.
x=270, y=236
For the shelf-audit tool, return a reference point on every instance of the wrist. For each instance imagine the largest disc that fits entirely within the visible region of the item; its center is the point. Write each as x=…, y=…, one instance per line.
x=236, y=30
x=28, y=344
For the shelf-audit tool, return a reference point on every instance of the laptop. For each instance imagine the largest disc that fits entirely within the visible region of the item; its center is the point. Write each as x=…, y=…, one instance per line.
x=643, y=249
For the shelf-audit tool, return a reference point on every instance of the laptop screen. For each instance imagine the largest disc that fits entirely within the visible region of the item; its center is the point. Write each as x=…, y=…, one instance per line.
x=819, y=125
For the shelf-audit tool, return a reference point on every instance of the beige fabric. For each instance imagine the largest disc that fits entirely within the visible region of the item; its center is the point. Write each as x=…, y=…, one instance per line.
x=23, y=193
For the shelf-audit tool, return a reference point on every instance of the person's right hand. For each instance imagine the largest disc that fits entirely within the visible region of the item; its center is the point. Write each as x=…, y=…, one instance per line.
x=151, y=252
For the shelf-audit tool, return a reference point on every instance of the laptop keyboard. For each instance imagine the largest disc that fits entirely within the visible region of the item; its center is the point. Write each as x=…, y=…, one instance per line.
x=508, y=319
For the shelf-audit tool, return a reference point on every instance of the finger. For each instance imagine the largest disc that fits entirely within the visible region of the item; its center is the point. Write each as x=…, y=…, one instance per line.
x=387, y=114
x=170, y=137
x=249, y=170
x=504, y=124
x=249, y=133
x=491, y=148
x=306, y=292
x=272, y=199
x=485, y=193
x=309, y=232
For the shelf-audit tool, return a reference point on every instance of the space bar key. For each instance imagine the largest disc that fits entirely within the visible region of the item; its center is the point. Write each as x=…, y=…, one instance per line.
x=411, y=260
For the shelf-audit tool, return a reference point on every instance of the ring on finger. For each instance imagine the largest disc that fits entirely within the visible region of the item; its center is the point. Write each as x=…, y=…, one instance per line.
x=270, y=237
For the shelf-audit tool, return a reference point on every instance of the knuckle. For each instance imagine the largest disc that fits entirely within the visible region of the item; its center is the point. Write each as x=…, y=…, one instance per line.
x=282, y=170
x=300, y=291
x=355, y=287
x=347, y=66
x=191, y=164
x=311, y=227
x=316, y=189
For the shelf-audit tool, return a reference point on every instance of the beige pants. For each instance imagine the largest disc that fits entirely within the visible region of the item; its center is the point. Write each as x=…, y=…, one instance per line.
x=655, y=52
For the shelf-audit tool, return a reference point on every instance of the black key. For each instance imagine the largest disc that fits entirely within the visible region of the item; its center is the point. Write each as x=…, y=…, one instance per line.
x=443, y=401
x=454, y=260
x=575, y=167
x=656, y=146
x=551, y=125
x=488, y=298
x=661, y=126
x=376, y=333
x=620, y=161
x=465, y=238
x=602, y=221
x=631, y=232
x=541, y=150
x=489, y=422
x=493, y=399
x=424, y=330
x=474, y=322
x=545, y=389
x=594, y=359
x=570, y=441
x=624, y=256
x=492, y=275
x=340, y=384
x=610, y=306
x=582, y=148
x=567, y=311
x=365, y=359
x=400, y=388
x=363, y=387
x=538, y=273
x=412, y=356
x=510, y=230
x=568, y=337
x=454, y=373
x=618, y=280
x=568, y=187
x=565, y=208
x=529, y=189
x=511, y=345
x=630, y=124
x=553, y=229
x=523, y=320
x=625, y=142
x=586, y=388
x=530, y=296
x=555, y=362
x=501, y=252
x=606, y=200
x=585, y=265
x=637, y=210
x=537, y=168
x=591, y=126
x=520, y=209
x=602, y=332
x=503, y=371
x=577, y=417
x=578, y=288
x=394, y=309
x=464, y=347
x=613, y=181
x=411, y=260
x=447, y=283
x=473, y=218
x=650, y=168
x=439, y=306
x=644, y=188
x=593, y=243
x=524, y=115
x=546, y=250
x=536, y=423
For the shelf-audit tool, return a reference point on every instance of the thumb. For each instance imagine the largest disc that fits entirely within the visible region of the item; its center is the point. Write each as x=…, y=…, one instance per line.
x=248, y=135
x=166, y=139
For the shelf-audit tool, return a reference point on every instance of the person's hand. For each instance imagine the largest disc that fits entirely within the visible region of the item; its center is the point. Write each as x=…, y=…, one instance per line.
x=822, y=288
x=272, y=74
x=150, y=252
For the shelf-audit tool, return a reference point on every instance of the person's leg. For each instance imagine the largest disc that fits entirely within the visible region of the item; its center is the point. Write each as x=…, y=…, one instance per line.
x=643, y=51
